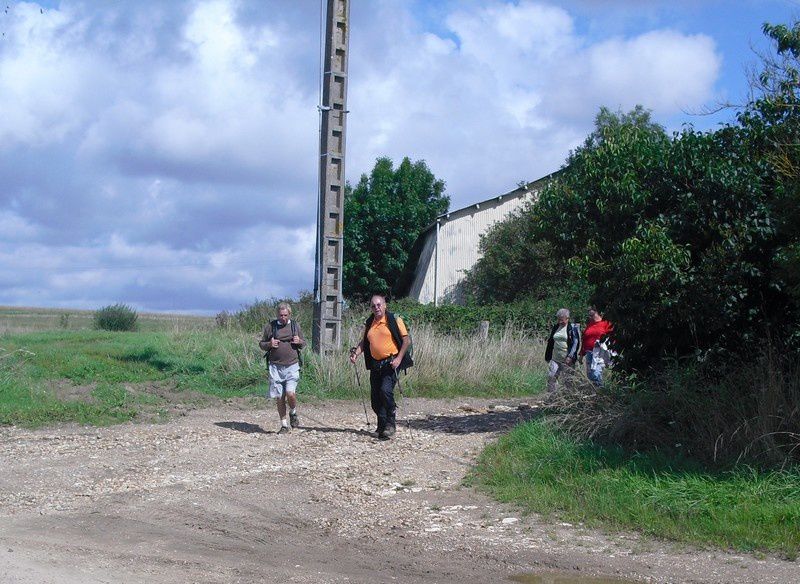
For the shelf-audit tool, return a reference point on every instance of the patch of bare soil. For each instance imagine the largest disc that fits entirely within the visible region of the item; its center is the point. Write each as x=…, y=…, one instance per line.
x=216, y=496
x=66, y=390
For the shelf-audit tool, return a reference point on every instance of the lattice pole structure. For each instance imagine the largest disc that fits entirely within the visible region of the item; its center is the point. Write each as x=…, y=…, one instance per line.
x=327, y=331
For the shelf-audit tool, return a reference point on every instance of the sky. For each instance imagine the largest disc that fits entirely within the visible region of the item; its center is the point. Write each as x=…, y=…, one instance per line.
x=164, y=154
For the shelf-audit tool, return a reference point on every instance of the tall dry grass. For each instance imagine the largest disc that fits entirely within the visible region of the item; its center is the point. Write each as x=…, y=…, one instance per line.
x=748, y=413
x=508, y=363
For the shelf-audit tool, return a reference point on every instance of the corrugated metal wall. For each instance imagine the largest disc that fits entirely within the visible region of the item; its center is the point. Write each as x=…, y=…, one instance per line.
x=458, y=237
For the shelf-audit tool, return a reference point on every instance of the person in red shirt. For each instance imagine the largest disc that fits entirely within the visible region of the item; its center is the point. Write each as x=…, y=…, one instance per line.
x=596, y=328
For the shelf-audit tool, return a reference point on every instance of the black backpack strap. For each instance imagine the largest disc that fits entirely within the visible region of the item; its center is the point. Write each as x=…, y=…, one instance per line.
x=268, y=351
x=294, y=334
x=391, y=321
x=368, y=360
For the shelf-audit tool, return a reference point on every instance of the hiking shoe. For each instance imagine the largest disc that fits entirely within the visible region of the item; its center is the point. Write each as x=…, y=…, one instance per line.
x=382, y=435
x=284, y=430
x=389, y=431
x=294, y=421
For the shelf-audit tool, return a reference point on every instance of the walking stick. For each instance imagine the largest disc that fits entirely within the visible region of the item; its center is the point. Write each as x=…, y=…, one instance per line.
x=360, y=389
x=402, y=393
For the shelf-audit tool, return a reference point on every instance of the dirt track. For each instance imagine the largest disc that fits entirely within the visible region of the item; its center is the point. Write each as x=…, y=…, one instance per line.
x=217, y=496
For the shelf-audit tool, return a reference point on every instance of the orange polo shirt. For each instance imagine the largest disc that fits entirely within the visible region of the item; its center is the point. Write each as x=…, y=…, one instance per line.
x=381, y=344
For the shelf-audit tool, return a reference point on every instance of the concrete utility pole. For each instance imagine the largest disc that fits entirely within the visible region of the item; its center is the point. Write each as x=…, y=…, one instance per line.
x=327, y=333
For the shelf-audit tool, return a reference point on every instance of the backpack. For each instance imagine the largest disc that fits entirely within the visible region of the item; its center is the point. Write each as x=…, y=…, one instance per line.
x=391, y=322
x=274, y=324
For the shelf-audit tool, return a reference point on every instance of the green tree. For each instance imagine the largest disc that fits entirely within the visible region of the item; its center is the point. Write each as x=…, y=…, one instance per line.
x=517, y=264
x=384, y=214
x=772, y=124
x=676, y=236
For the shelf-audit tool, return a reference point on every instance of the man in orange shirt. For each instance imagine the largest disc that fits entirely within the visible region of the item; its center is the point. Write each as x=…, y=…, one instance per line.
x=384, y=344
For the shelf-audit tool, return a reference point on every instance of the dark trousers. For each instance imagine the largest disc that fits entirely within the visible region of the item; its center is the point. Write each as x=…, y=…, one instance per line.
x=381, y=384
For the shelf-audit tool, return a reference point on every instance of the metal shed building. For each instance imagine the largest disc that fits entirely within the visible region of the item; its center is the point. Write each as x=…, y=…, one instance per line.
x=446, y=249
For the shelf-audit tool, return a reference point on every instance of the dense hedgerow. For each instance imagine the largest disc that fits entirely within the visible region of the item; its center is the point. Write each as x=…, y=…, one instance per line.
x=530, y=316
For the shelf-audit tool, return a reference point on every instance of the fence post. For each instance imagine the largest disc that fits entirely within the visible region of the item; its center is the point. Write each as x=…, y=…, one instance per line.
x=483, y=330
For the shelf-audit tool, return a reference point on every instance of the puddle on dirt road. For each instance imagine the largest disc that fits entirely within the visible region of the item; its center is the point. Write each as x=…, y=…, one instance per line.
x=564, y=579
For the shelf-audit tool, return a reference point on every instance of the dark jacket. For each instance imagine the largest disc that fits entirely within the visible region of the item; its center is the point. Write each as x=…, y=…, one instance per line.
x=573, y=341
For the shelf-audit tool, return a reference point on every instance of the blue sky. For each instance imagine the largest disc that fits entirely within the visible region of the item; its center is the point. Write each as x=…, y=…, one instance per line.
x=163, y=154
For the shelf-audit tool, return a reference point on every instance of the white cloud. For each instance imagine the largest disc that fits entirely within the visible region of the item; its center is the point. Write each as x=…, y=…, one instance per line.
x=165, y=154
x=513, y=90
x=42, y=77
x=16, y=228
x=509, y=36
x=665, y=70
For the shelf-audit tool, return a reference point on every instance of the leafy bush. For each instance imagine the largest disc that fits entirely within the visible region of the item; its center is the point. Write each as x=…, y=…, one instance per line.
x=253, y=317
x=676, y=236
x=223, y=319
x=516, y=263
x=116, y=317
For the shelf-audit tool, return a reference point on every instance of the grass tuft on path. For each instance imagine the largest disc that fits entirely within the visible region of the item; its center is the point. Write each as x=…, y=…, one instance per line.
x=547, y=473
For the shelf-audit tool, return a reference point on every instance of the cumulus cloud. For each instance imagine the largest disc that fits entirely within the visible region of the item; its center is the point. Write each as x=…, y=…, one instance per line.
x=165, y=154
x=512, y=87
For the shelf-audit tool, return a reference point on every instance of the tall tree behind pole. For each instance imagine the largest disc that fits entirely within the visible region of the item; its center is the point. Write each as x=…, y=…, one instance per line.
x=327, y=333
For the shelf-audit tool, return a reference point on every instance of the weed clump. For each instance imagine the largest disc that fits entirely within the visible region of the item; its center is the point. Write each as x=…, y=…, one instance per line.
x=116, y=317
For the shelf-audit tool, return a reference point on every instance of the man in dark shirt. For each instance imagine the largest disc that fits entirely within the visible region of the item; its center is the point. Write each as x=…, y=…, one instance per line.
x=282, y=339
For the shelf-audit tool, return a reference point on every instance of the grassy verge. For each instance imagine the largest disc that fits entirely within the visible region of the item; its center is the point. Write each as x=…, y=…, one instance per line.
x=114, y=374
x=509, y=364
x=545, y=472
x=94, y=377
x=35, y=406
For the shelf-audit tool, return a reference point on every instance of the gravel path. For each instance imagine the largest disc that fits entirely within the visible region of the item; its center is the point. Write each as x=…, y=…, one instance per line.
x=215, y=496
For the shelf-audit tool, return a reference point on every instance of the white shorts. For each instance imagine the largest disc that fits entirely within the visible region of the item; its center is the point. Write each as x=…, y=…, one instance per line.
x=283, y=379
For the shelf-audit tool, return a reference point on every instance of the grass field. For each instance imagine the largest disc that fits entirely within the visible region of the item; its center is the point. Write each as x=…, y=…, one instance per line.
x=546, y=472
x=16, y=319
x=55, y=369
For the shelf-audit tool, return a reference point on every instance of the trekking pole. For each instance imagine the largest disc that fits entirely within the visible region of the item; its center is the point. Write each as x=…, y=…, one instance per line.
x=360, y=389
x=402, y=393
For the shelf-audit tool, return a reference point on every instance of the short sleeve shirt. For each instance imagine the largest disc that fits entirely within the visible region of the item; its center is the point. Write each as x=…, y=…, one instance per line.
x=593, y=332
x=381, y=344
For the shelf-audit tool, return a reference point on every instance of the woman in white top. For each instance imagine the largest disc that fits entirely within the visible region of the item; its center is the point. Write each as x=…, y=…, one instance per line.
x=562, y=347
